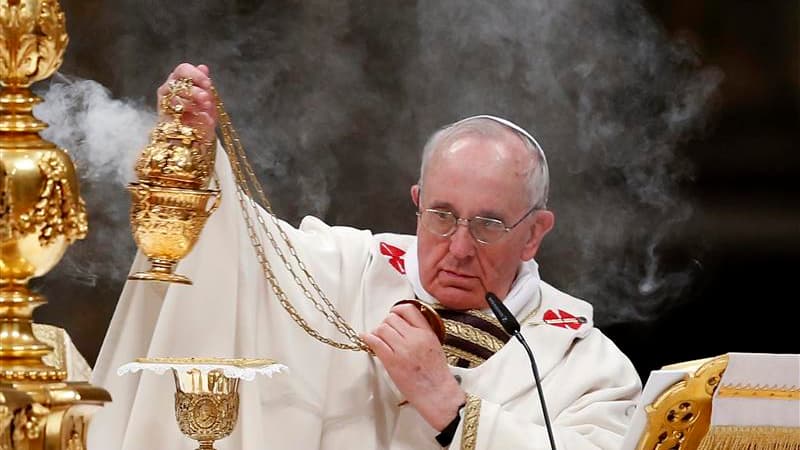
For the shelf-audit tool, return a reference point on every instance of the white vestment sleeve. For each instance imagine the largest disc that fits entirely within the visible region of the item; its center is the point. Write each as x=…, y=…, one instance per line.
x=590, y=398
x=230, y=311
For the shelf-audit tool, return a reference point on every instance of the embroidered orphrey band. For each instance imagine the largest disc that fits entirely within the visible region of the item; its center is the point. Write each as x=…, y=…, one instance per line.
x=471, y=337
x=469, y=430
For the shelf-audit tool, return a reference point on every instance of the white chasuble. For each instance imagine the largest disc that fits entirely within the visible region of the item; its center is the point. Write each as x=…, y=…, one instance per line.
x=335, y=399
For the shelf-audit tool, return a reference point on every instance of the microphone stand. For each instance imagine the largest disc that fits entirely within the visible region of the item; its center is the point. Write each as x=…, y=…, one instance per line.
x=511, y=325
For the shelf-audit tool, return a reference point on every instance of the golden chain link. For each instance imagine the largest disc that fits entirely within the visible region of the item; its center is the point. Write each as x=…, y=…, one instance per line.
x=247, y=182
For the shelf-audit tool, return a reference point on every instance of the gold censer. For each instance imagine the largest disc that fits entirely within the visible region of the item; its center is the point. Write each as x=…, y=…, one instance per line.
x=41, y=214
x=171, y=202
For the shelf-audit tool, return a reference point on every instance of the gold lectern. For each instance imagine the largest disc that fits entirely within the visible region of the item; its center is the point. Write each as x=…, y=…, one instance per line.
x=41, y=214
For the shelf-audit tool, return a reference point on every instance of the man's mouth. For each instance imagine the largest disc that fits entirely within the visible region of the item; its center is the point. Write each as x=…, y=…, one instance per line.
x=455, y=275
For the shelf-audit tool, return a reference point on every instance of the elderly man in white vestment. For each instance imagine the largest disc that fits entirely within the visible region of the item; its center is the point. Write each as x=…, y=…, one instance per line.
x=481, y=219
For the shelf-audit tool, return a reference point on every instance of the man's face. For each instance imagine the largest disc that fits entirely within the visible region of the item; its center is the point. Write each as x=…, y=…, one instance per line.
x=477, y=177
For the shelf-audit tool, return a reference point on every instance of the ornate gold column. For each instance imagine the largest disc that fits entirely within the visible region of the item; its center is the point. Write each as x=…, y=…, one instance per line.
x=41, y=214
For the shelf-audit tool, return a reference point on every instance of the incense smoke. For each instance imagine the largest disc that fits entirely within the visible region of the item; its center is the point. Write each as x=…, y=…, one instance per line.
x=334, y=101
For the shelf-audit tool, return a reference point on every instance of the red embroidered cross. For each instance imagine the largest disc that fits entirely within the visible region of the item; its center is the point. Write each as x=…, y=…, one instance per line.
x=563, y=319
x=395, y=256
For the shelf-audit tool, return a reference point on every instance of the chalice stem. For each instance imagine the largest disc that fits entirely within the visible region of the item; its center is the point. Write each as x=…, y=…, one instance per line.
x=206, y=445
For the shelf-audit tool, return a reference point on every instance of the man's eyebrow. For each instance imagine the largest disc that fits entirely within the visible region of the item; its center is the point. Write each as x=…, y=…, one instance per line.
x=491, y=214
x=441, y=205
x=486, y=213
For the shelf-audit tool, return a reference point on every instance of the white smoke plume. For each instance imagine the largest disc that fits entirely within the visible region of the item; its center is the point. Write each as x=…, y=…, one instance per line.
x=335, y=99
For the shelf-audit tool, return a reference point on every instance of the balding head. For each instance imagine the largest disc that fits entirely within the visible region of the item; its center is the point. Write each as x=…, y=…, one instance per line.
x=528, y=157
x=480, y=177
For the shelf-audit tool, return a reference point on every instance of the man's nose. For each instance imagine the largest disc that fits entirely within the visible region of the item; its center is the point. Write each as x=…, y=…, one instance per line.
x=462, y=244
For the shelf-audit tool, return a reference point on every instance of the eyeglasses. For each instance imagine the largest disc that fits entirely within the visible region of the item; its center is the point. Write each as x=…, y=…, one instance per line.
x=484, y=229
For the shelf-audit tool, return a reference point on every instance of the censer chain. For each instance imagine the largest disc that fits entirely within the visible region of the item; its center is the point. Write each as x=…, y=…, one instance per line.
x=247, y=182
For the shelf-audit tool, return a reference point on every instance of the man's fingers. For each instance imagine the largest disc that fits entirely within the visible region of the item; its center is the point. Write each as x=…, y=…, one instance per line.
x=198, y=95
x=381, y=349
x=205, y=120
x=398, y=323
x=389, y=335
x=412, y=315
x=198, y=76
x=202, y=122
x=186, y=70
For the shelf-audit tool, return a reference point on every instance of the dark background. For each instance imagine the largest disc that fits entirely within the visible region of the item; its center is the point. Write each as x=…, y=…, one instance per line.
x=745, y=184
x=339, y=137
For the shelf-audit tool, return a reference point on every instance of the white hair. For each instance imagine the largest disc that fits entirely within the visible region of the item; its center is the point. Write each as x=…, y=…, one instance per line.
x=538, y=179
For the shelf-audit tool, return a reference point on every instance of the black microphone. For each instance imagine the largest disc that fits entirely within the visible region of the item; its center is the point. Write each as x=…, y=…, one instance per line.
x=511, y=325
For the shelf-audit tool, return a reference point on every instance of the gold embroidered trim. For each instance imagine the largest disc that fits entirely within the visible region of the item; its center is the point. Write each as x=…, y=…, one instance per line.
x=453, y=355
x=751, y=438
x=469, y=431
x=487, y=317
x=759, y=391
x=474, y=335
x=477, y=313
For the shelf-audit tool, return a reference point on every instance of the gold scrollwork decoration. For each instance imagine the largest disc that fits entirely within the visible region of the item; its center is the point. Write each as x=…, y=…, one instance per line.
x=76, y=437
x=206, y=416
x=75, y=441
x=6, y=229
x=679, y=418
x=58, y=212
x=6, y=416
x=29, y=425
x=33, y=38
x=472, y=414
x=175, y=157
x=178, y=155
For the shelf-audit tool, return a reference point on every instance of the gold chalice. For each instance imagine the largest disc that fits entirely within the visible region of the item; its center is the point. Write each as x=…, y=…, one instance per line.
x=207, y=397
x=166, y=223
x=206, y=405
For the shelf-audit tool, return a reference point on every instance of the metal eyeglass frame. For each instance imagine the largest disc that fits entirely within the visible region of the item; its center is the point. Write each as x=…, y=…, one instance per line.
x=468, y=222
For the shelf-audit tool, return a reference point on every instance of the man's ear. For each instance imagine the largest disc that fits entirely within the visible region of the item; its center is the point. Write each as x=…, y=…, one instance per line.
x=543, y=221
x=415, y=195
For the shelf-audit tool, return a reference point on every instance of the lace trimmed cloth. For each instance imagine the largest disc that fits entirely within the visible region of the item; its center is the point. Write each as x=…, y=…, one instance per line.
x=244, y=369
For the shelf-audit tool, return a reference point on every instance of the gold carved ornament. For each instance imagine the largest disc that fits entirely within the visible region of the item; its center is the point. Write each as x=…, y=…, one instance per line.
x=6, y=417
x=206, y=416
x=5, y=205
x=29, y=424
x=178, y=155
x=56, y=213
x=680, y=417
x=248, y=184
x=27, y=56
